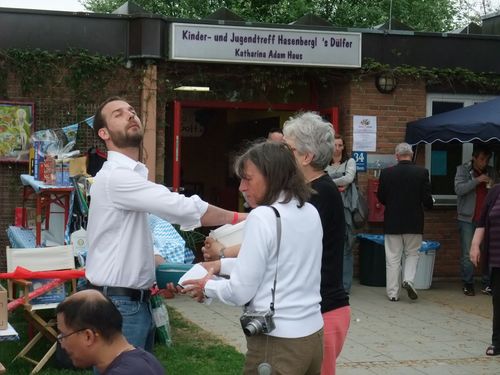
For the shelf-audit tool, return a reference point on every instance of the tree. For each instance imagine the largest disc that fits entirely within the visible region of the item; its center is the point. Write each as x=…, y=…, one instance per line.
x=421, y=15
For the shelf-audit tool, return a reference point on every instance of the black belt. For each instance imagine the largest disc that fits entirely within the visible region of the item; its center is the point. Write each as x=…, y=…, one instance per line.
x=141, y=295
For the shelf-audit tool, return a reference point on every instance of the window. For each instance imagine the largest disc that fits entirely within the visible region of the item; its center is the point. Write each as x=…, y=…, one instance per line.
x=442, y=159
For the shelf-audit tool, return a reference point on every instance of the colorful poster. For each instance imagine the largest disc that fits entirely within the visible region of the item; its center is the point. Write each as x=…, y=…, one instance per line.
x=16, y=126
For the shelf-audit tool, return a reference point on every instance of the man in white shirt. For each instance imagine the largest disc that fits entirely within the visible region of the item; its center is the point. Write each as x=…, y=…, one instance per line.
x=120, y=261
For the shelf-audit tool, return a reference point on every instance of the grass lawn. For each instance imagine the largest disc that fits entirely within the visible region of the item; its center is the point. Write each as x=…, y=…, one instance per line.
x=194, y=352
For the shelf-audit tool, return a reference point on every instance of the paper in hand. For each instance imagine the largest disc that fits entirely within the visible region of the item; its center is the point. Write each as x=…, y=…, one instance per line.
x=196, y=272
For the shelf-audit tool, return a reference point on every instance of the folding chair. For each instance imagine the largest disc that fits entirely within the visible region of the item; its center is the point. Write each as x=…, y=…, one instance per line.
x=39, y=259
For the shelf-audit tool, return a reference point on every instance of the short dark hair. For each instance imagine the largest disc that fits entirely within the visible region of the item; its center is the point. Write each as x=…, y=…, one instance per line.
x=97, y=314
x=276, y=162
x=99, y=121
x=481, y=149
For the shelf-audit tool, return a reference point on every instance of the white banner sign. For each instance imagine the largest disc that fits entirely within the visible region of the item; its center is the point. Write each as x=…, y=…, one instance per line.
x=195, y=42
x=364, y=133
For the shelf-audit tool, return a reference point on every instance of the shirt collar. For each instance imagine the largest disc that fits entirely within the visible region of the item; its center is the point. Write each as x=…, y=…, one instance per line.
x=124, y=161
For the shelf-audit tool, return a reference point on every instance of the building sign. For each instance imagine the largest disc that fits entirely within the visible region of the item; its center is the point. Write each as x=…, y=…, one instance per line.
x=233, y=44
x=364, y=137
x=360, y=157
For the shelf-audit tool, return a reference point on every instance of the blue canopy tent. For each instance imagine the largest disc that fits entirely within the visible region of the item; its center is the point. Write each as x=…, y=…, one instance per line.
x=479, y=122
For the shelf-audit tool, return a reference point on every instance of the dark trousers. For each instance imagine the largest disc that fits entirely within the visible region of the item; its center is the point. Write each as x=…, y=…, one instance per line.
x=495, y=291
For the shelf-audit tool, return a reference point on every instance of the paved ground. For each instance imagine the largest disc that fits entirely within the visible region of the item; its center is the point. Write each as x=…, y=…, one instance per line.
x=443, y=332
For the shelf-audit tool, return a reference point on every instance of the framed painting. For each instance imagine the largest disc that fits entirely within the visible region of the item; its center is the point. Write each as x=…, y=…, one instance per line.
x=17, y=122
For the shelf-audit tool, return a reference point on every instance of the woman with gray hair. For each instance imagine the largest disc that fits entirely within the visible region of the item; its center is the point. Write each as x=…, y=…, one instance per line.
x=276, y=274
x=311, y=139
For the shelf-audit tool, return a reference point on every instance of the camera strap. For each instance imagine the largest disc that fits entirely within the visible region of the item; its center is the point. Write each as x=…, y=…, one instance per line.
x=278, y=231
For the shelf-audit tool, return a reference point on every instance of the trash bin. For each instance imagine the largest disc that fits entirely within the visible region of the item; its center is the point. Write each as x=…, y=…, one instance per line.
x=425, y=265
x=371, y=259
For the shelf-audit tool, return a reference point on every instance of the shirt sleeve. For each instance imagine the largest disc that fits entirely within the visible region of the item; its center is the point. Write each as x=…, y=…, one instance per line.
x=489, y=201
x=227, y=266
x=250, y=265
x=129, y=191
x=349, y=175
x=464, y=183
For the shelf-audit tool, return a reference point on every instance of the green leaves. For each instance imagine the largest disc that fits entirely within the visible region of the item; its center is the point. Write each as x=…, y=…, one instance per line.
x=420, y=15
x=81, y=72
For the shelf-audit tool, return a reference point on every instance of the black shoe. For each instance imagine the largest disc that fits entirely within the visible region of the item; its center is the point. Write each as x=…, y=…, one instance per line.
x=394, y=299
x=486, y=290
x=468, y=290
x=412, y=293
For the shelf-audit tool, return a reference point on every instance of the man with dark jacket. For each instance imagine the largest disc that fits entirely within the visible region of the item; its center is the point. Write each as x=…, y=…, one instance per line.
x=472, y=182
x=404, y=190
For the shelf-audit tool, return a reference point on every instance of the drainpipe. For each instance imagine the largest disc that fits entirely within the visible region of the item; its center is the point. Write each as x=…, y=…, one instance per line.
x=148, y=118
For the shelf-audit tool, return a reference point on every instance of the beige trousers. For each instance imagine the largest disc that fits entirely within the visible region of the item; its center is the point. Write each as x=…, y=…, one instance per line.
x=395, y=245
x=297, y=356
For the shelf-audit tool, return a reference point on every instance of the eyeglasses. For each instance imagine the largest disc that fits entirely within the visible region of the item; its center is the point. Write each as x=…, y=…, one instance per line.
x=60, y=336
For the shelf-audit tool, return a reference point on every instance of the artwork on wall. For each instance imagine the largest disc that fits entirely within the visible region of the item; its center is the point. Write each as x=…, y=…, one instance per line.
x=16, y=126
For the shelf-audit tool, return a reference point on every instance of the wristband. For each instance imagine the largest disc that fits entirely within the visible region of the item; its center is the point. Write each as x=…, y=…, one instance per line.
x=235, y=218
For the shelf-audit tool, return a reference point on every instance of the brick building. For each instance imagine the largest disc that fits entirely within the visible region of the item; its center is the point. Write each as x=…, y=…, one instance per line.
x=66, y=63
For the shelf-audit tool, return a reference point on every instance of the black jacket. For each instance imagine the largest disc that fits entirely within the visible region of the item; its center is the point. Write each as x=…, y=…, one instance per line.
x=404, y=190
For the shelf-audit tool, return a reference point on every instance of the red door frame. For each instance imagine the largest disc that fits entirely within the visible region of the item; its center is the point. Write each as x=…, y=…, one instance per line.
x=332, y=113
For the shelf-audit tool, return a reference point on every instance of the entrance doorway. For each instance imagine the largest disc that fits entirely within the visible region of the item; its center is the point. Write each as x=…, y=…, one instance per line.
x=203, y=139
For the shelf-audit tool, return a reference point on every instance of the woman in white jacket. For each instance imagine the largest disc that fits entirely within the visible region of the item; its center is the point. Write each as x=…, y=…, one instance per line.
x=342, y=170
x=270, y=177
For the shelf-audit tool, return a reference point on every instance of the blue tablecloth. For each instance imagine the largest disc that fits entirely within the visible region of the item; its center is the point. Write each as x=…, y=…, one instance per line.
x=379, y=238
x=28, y=180
x=21, y=237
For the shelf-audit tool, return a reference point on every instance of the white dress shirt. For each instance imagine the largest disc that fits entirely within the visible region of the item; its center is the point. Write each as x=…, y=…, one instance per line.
x=297, y=303
x=120, y=242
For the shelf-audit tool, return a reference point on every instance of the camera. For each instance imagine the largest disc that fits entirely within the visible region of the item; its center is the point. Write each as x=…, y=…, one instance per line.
x=257, y=322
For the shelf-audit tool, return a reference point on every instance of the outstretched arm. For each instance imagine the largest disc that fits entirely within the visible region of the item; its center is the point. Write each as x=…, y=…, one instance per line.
x=215, y=216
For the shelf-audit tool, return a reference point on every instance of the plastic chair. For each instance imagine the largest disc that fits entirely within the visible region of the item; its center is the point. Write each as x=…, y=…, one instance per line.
x=39, y=259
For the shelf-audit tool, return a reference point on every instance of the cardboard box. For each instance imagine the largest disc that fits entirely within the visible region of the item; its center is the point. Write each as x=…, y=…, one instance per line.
x=78, y=166
x=30, y=217
x=3, y=308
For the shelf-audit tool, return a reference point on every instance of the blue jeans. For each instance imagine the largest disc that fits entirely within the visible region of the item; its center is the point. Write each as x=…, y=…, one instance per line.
x=466, y=231
x=138, y=325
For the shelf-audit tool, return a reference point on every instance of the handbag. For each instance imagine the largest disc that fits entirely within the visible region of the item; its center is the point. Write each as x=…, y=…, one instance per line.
x=356, y=202
x=359, y=210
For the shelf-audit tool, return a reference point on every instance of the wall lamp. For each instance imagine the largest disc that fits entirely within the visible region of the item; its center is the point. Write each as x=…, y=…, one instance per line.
x=386, y=82
x=193, y=88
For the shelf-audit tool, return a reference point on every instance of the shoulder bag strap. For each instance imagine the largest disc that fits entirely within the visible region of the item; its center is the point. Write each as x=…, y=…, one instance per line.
x=278, y=231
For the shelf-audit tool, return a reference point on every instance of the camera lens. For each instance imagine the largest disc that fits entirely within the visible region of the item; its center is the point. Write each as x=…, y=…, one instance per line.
x=252, y=328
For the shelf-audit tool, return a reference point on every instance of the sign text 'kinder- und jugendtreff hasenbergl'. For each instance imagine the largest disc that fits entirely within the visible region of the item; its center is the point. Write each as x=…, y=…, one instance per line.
x=264, y=45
